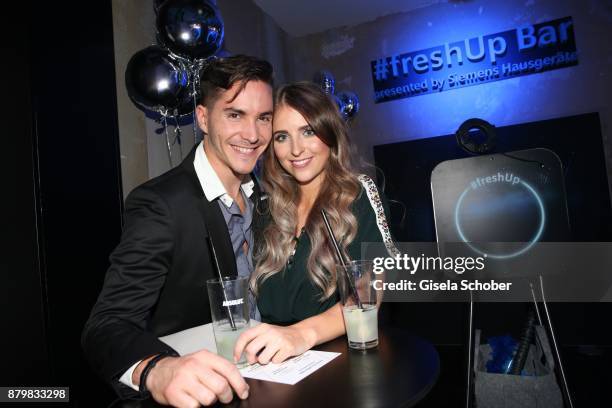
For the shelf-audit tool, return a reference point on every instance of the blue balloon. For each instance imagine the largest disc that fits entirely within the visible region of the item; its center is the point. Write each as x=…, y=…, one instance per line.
x=338, y=102
x=326, y=81
x=350, y=104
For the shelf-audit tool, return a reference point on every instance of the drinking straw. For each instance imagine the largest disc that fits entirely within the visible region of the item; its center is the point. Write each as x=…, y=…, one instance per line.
x=341, y=258
x=214, y=254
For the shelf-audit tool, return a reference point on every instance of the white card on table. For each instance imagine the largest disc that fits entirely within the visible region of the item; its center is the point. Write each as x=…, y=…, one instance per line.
x=291, y=371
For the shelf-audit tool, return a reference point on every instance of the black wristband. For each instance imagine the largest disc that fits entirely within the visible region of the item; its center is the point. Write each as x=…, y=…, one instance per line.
x=142, y=387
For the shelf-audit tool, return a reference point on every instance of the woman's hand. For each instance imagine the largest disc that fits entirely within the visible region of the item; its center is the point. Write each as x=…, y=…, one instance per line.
x=269, y=343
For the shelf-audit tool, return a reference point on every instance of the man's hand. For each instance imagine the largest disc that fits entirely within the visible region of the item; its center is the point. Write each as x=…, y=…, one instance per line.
x=196, y=379
x=266, y=342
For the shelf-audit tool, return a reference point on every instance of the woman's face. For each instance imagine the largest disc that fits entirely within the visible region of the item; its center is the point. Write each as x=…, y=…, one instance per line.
x=298, y=149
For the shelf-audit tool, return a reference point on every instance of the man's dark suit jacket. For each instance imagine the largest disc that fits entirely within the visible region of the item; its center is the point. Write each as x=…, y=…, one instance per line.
x=156, y=284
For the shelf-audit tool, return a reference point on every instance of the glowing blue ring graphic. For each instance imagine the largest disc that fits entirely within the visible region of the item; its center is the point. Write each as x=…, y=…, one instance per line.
x=535, y=238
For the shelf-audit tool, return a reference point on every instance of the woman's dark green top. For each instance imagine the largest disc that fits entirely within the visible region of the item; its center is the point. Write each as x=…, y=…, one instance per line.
x=290, y=296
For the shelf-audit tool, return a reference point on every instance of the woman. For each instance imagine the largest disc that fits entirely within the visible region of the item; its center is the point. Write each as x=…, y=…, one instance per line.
x=308, y=168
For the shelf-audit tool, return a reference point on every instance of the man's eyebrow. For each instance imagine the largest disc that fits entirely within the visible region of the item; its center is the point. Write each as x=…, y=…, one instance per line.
x=242, y=112
x=235, y=110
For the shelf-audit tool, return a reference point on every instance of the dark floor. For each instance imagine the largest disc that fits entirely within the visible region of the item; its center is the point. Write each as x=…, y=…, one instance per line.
x=589, y=375
x=449, y=391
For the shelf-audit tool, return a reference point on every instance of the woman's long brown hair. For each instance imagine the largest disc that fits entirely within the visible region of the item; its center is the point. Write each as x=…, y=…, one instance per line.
x=338, y=192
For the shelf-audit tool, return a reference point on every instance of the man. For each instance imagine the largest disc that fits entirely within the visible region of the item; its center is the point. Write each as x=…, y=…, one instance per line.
x=156, y=282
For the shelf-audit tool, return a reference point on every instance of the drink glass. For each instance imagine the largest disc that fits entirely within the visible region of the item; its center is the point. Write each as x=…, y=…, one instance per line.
x=229, y=307
x=361, y=323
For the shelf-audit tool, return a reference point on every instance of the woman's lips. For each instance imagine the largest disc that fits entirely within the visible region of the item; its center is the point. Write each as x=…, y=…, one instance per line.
x=300, y=163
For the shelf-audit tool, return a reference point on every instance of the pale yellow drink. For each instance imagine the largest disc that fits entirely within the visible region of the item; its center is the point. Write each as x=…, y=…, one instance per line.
x=361, y=326
x=225, y=339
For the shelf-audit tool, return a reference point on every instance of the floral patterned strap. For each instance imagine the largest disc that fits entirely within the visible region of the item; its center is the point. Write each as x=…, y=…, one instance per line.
x=381, y=220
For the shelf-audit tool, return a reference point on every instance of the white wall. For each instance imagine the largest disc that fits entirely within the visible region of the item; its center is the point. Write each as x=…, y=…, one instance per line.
x=568, y=91
x=133, y=30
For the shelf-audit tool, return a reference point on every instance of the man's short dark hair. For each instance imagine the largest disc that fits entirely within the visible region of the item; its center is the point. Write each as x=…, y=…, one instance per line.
x=222, y=73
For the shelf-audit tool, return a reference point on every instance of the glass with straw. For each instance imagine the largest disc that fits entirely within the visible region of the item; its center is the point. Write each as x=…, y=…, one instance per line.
x=361, y=311
x=359, y=298
x=229, y=308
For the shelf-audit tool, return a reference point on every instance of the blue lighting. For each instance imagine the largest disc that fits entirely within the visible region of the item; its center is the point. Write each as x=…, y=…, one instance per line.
x=473, y=61
x=440, y=113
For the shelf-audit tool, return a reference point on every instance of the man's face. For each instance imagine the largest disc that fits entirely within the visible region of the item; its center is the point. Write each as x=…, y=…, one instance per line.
x=237, y=130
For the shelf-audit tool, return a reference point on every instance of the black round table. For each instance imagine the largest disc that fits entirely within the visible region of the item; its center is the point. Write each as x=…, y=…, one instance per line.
x=398, y=373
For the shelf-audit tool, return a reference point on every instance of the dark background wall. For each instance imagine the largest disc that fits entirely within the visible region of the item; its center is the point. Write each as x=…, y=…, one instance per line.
x=62, y=181
x=21, y=312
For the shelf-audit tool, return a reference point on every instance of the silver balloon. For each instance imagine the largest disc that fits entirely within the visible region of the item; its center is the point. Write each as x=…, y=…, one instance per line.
x=156, y=80
x=190, y=28
x=350, y=104
x=326, y=81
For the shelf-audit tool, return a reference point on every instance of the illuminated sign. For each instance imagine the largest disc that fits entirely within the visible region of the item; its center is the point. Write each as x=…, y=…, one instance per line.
x=525, y=50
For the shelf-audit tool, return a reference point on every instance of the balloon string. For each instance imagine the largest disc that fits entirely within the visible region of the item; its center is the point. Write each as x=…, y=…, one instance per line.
x=169, y=148
x=178, y=133
x=194, y=77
